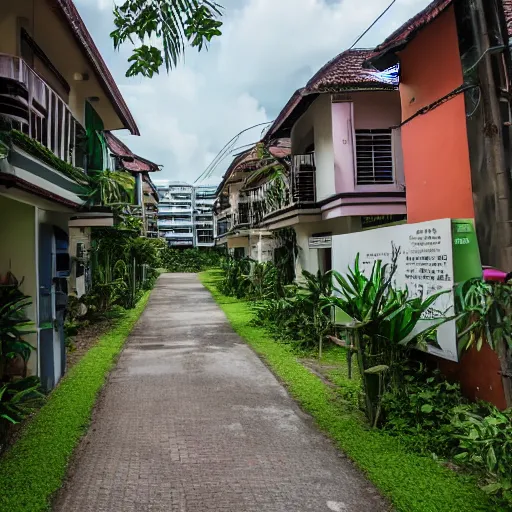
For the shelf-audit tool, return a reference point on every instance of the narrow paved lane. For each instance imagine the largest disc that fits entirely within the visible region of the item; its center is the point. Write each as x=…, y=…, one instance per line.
x=191, y=420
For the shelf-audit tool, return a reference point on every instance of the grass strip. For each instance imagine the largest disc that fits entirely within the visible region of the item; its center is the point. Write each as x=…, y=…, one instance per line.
x=35, y=467
x=413, y=483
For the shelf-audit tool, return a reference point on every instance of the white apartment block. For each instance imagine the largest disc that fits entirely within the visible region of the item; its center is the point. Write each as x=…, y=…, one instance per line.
x=185, y=213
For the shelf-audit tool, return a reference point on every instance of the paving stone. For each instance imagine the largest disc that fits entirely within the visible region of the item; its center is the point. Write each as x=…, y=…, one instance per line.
x=191, y=420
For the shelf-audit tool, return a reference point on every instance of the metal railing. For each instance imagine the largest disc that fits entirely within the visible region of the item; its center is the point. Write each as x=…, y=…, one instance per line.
x=165, y=222
x=297, y=189
x=38, y=111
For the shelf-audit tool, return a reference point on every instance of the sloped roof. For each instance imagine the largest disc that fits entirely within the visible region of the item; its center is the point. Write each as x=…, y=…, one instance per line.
x=131, y=162
x=343, y=73
x=249, y=159
x=381, y=55
x=69, y=13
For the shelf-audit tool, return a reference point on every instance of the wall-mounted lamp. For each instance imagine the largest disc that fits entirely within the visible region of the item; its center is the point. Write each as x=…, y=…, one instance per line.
x=80, y=77
x=93, y=99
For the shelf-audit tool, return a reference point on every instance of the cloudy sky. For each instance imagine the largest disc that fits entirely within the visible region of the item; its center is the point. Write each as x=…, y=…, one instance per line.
x=269, y=48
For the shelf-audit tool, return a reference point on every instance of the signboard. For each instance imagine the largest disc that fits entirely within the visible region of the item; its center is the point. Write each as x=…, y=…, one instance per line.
x=320, y=242
x=433, y=257
x=375, y=221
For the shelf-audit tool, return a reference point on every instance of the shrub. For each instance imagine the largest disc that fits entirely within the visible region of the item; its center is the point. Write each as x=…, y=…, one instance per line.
x=421, y=409
x=190, y=260
x=484, y=437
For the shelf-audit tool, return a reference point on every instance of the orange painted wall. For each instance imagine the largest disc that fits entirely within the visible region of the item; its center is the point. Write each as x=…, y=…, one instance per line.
x=435, y=145
x=437, y=166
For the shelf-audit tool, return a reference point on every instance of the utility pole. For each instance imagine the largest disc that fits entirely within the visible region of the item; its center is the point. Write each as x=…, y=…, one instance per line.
x=495, y=163
x=494, y=149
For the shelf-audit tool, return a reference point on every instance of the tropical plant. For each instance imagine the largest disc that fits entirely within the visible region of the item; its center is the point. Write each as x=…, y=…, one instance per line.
x=17, y=397
x=190, y=260
x=420, y=411
x=111, y=188
x=14, y=326
x=485, y=314
x=174, y=22
x=485, y=444
x=383, y=322
x=298, y=316
x=236, y=282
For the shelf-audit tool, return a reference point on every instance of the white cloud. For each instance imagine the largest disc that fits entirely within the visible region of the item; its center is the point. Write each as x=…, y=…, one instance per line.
x=268, y=49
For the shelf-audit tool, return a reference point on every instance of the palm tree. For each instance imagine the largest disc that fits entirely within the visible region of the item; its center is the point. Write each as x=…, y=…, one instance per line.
x=174, y=22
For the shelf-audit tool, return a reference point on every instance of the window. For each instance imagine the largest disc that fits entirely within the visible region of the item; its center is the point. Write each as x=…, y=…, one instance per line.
x=374, y=153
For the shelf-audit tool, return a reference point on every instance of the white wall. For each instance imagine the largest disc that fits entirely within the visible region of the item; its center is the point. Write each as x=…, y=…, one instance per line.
x=77, y=235
x=309, y=259
x=261, y=248
x=18, y=254
x=316, y=126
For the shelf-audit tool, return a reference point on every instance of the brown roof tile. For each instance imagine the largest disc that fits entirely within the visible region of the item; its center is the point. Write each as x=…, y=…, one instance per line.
x=130, y=161
x=68, y=11
x=398, y=39
x=507, y=8
x=343, y=73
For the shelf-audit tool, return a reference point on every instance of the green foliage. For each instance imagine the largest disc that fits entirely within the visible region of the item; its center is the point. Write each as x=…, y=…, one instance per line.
x=430, y=415
x=14, y=324
x=99, y=188
x=421, y=409
x=18, y=399
x=119, y=260
x=297, y=316
x=485, y=444
x=236, y=281
x=382, y=320
x=190, y=260
x=412, y=482
x=19, y=394
x=173, y=22
x=485, y=314
x=41, y=152
x=35, y=467
x=111, y=188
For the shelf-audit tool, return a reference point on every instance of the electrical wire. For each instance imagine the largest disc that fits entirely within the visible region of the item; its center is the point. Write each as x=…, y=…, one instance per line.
x=225, y=151
x=373, y=24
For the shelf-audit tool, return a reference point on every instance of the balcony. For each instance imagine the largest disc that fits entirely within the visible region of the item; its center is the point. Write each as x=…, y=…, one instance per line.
x=174, y=223
x=223, y=227
x=38, y=111
x=172, y=234
x=242, y=216
x=163, y=210
x=298, y=190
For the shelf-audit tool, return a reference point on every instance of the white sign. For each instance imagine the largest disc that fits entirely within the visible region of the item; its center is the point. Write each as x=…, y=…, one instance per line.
x=320, y=242
x=425, y=266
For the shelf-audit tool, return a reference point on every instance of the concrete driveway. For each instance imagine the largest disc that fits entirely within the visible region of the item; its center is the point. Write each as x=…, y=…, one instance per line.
x=191, y=420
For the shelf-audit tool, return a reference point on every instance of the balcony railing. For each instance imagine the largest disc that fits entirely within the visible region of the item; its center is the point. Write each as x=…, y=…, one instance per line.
x=38, y=111
x=171, y=223
x=164, y=210
x=298, y=189
x=303, y=183
x=223, y=227
x=172, y=234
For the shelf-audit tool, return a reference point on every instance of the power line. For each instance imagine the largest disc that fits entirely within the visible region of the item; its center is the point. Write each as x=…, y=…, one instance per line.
x=210, y=169
x=373, y=24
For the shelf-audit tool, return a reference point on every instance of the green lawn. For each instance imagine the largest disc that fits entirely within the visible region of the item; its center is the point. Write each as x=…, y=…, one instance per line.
x=34, y=468
x=413, y=483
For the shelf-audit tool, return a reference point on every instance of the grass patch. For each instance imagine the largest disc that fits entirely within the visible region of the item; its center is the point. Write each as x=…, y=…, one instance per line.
x=413, y=483
x=35, y=467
